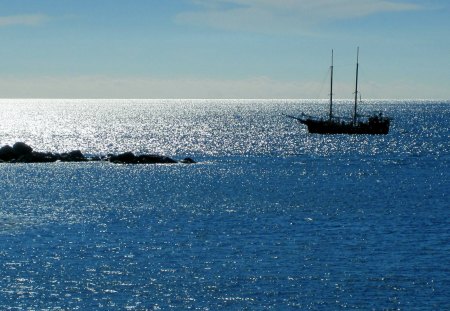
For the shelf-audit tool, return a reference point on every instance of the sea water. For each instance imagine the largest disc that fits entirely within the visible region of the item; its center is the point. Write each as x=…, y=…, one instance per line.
x=270, y=218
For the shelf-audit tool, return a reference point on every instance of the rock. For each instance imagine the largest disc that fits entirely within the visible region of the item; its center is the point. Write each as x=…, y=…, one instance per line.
x=43, y=157
x=76, y=154
x=27, y=158
x=95, y=159
x=130, y=158
x=72, y=156
x=168, y=160
x=22, y=153
x=154, y=159
x=187, y=161
x=7, y=153
x=38, y=157
x=21, y=149
x=126, y=157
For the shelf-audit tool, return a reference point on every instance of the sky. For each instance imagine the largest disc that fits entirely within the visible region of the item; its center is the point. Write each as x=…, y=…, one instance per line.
x=224, y=48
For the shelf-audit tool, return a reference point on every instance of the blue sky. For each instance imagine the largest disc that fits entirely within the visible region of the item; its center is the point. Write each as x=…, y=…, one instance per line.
x=223, y=48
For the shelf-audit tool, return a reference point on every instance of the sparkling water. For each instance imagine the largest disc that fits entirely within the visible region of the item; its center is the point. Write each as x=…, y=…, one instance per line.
x=270, y=217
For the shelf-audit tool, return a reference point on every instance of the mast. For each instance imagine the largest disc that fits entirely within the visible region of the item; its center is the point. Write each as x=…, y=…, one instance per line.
x=331, y=87
x=356, y=87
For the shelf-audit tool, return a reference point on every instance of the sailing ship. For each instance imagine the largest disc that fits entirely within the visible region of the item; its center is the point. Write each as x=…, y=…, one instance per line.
x=358, y=124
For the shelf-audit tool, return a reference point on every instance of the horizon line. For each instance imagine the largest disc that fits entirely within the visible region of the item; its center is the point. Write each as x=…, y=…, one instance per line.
x=246, y=99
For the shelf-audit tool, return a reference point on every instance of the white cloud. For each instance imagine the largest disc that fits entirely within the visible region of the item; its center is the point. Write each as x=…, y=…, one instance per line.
x=269, y=16
x=23, y=20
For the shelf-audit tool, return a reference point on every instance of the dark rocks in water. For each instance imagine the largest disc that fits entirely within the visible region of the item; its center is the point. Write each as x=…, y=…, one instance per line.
x=37, y=157
x=126, y=157
x=95, y=158
x=18, y=151
x=22, y=153
x=130, y=158
x=21, y=148
x=7, y=153
x=152, y=159
x=45, y=157
x=72, y=156
x=187, y=161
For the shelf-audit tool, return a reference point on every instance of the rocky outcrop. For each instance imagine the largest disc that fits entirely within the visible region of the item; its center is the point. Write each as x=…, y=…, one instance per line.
x=7, y=153
x=23, y=153
x=21, y=148
x=188, y=161
x=130, y=158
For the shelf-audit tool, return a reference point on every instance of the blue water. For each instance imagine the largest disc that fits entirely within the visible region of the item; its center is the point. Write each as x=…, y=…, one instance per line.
x=270, y=218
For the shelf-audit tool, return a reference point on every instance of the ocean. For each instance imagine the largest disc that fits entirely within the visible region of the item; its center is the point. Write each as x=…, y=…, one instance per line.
x=270, y=218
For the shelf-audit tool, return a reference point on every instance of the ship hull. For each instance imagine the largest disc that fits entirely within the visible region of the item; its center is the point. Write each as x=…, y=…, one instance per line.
x=333, y=127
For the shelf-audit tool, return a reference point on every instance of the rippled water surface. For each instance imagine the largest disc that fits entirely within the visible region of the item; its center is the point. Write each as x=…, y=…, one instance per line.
x=270, y=218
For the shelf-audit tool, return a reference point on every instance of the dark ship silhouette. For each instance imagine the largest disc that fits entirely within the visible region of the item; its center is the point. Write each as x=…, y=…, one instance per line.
x=374, y=124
